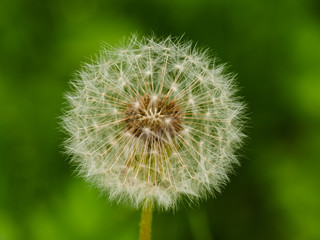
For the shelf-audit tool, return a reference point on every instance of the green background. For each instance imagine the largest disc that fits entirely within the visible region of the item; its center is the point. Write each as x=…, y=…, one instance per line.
x=273, y=46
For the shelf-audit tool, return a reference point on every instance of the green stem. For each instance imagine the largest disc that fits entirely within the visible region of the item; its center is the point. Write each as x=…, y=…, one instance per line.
x=146, y=221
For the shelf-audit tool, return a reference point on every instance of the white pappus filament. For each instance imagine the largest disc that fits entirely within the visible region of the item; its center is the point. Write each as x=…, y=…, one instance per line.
x=154, y=120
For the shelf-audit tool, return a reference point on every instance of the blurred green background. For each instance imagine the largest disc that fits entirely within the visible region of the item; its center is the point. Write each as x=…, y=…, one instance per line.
x=274, y=46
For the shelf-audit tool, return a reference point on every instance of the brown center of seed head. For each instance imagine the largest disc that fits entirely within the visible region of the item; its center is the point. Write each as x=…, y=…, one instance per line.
x=153, y=118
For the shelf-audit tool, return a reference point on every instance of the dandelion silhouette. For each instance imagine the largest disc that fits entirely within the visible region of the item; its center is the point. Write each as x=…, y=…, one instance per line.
x=153, y=122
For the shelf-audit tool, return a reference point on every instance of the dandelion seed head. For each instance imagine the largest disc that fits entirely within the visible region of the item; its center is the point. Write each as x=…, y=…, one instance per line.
x=154, y=120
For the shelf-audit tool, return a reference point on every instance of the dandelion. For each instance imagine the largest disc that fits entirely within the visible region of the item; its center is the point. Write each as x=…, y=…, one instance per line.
x=154, y=122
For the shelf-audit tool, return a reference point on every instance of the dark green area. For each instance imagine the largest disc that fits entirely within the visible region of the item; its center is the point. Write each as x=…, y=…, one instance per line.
x=274, y=46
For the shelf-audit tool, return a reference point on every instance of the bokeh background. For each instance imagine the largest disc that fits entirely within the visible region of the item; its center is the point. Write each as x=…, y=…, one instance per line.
x=274, y=46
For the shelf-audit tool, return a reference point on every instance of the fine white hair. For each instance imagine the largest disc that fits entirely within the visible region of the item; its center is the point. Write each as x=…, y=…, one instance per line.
x=140, y=160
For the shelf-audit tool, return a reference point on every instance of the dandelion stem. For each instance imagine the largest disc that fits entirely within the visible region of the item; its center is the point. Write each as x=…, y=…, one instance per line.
x=146, y=221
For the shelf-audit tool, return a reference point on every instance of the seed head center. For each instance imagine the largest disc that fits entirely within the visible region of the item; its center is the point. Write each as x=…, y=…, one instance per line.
x=153, y=114
x=153, y=118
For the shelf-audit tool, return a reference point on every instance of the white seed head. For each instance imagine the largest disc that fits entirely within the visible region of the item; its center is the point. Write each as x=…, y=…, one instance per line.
x=154, y=120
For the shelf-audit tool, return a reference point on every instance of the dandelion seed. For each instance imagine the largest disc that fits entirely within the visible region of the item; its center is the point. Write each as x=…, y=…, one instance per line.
x=141, y=138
